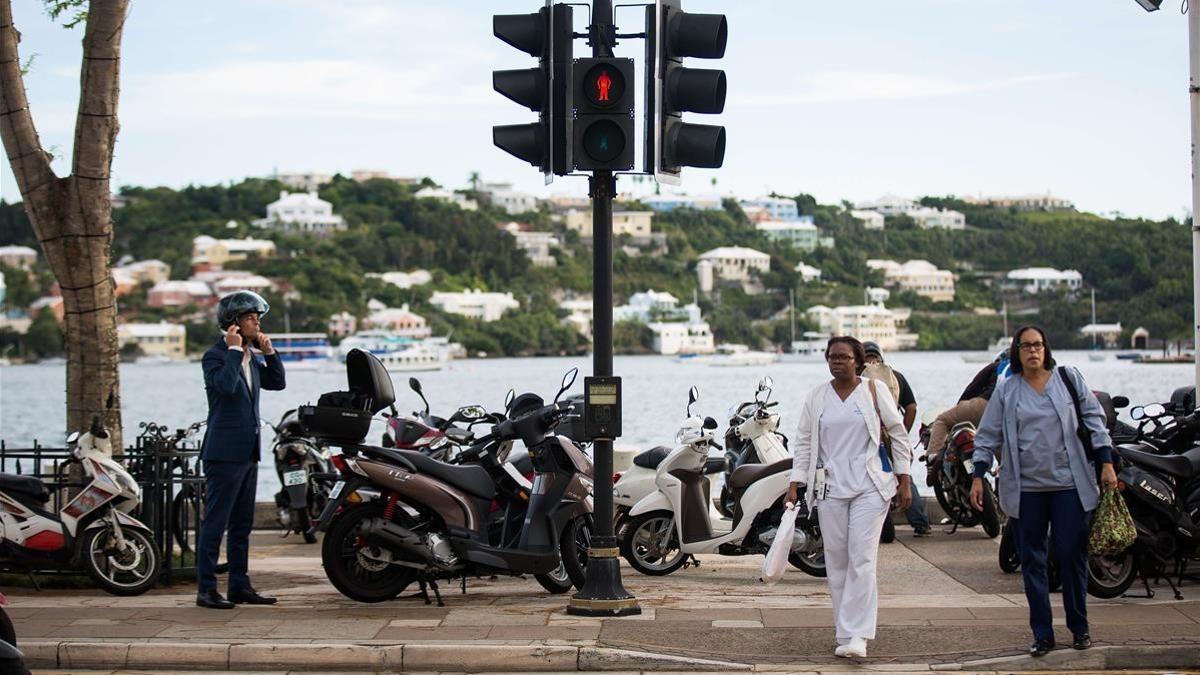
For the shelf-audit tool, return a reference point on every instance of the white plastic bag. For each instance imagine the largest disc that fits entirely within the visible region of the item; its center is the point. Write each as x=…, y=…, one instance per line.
x=777, y=556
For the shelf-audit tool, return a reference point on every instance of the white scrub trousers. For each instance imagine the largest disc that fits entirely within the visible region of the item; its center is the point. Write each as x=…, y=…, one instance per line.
x=850, y=531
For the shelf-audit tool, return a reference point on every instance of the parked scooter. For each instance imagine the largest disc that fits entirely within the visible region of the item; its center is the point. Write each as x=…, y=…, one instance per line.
x=398, y=516
x=304, y=473
x=1162, y=492
x=670, y=526
x=950, y=471
x=752, y=438
x=93, y=532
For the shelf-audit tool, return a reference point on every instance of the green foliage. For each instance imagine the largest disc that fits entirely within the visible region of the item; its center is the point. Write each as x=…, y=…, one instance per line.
x=632, y=337
x=45, y=337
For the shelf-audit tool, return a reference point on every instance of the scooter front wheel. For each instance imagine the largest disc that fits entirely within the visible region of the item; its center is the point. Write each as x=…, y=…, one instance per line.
x=128, y=568
x=651, y=544
x=573, y=546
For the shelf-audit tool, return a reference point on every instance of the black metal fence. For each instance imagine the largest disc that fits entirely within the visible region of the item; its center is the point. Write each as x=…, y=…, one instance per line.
x=167, y=468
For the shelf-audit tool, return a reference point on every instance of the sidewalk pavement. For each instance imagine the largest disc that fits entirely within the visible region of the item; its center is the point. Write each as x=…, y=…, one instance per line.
x=944, y=605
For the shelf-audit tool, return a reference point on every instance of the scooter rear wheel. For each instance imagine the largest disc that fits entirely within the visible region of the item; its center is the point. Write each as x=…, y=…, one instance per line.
x=651, y=544
x=344, y=556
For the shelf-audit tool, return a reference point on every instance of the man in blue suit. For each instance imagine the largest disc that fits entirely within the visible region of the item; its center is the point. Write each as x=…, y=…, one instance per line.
x=230, y=452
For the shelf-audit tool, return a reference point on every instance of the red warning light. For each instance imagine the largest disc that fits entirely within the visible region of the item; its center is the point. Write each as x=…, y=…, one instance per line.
x=604, y=86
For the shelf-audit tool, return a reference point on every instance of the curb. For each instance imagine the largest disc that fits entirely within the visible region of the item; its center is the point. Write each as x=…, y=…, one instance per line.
x=457, y=657
x=445, y=657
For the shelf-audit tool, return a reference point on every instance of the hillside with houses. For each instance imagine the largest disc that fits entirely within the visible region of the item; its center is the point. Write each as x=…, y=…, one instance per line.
x=484, y=269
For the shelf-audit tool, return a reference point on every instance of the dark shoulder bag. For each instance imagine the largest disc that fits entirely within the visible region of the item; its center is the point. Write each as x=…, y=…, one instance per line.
x=1081, y=429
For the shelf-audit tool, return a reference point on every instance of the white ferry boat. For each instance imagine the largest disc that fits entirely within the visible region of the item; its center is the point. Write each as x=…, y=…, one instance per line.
x=418, y=357
x=729, y=355
x=303, y=351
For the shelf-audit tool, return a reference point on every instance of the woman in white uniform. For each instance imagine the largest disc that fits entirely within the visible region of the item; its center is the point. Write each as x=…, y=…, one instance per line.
x=850, y=482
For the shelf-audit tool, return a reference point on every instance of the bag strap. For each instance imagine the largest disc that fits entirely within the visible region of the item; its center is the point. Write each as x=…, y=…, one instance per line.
x=875, y=399
x=1062, y=372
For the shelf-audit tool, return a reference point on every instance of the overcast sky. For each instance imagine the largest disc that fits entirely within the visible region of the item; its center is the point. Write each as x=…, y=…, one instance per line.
x=844, y=100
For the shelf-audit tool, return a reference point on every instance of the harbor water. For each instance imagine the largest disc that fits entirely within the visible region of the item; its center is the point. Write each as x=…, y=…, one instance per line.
x=32, y=397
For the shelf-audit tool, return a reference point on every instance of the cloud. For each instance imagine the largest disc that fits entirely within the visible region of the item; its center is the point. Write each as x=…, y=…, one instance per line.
x=847, y=86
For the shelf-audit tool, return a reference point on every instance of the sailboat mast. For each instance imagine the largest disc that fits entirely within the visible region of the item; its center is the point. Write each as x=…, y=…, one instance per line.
x=1093, y=318
x=792, y=311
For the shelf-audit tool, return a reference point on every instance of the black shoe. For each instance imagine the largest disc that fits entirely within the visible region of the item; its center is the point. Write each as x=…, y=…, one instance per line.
x=1041, y=647
x=922, y=531
x=212, y=600
x=249, y=596
x=1082, y=641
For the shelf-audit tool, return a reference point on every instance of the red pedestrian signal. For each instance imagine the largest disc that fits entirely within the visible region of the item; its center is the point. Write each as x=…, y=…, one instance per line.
x=603, y=129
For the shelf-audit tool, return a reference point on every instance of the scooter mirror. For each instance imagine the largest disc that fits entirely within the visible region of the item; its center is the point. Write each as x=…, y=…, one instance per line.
x=1137, y=413
x=414, y=384
x=710, y=423
x=73, y=438
x=1120, y=401
x=567, y=381
x=508, y=398
x=1154, y=410
x=693, y=396
x=766, y=383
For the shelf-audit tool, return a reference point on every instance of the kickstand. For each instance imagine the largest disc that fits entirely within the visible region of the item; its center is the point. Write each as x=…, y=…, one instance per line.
x=464, y=584
x=954, y=527
x=33, y=580
x=1171, y=582
x=690, y=561
x=1146, y=584
x=436, y=594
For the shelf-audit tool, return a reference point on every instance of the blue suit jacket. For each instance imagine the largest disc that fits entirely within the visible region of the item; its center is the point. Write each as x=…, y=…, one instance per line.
x=233, y=426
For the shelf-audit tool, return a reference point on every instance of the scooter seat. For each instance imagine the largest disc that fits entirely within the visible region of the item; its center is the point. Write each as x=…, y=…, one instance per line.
x=25, y=485
x=1185, y=465
x=746, y=474
x=651, y=458
x=470, y=477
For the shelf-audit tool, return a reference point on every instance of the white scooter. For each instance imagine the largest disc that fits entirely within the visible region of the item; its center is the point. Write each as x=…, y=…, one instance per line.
x=670, y=526
x=94, y=531
x=752, y=438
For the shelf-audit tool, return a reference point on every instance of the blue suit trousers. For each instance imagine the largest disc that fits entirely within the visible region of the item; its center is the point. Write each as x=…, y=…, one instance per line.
x=230, y=489
x=1062, y=513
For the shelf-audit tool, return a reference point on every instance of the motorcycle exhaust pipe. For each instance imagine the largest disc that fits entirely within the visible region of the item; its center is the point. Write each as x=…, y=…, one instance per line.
x=398, y=537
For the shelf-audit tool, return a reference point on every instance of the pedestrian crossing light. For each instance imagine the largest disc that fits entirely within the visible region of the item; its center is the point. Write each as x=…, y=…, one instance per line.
x=672, y=89
x=603, y=126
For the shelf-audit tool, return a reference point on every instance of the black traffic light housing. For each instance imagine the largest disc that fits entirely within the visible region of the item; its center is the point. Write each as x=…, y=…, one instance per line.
x=671, y=90
x=603, y=93
x=547, y=35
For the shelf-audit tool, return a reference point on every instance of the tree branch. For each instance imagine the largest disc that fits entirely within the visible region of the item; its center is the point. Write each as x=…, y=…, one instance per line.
x=96, y=125
x=30, y=162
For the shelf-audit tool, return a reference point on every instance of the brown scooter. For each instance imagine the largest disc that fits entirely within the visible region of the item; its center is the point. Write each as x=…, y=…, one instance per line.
x=398, y=516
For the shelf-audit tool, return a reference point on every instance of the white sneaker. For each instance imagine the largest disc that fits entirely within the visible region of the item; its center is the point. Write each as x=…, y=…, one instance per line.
x=856, y=649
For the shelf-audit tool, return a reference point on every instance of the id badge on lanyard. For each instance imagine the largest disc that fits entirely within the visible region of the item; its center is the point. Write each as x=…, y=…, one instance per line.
x=820, y=486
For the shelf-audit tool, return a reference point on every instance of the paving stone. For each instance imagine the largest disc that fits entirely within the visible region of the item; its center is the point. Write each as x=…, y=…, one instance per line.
x=708, y=614
x=442, y=633
x=735, y=623
x=493, y=617
x=545, y=632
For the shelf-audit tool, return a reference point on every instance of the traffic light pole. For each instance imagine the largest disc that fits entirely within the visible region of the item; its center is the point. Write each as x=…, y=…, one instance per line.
x=603, y=594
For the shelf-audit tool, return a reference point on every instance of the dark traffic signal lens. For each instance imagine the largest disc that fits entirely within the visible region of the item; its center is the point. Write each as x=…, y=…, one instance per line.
x=603, y=141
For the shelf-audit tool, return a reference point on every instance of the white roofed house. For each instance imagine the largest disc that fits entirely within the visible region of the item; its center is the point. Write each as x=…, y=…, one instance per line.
x=180, y=294
x=919, y=276
x=1108, y=333
x=800, y=232
x=536, y=245
x=682, y=337
x=249, y=282
x=210, y=253
x=475, y=304
x=153, y=271
x=871, y=220
x=301, y=213
x=155, y=339
x=1034, y=280
x=403, y=279
x=21, y=257
x=512, y=201
x=780, y=208
x=808, y=273
x=401, y=321
x=448, y=197
x=737, y=263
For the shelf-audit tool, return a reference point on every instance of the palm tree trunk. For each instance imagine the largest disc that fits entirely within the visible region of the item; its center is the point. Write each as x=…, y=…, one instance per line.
x=72, y=216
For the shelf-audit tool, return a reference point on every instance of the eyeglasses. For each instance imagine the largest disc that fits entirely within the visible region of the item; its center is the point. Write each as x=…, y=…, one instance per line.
x=1032, y=346
x=839, y=358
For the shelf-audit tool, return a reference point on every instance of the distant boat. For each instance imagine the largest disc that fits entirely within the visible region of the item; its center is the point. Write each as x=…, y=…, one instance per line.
x=1001, y=344
x=303, y=351
x=809, y=350
x=415, y=358
x=732, y=355
x=154, y=360
x=1097, y=356
x=1129, y=356
x=1174, y=358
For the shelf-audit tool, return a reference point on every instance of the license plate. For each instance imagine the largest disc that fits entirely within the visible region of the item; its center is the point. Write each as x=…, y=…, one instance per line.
x=337, y=489
x=295, y=478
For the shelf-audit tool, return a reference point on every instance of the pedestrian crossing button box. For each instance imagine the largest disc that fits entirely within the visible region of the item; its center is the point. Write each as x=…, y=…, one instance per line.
x=602, y=407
